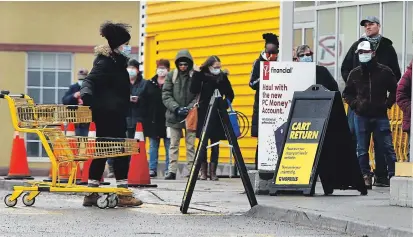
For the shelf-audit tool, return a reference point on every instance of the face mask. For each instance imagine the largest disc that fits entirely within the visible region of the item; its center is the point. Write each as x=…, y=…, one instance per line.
x=161, y=72
x=80, y=82
x=214, y=71
x=126, y=50
x=306, y=59
x=365, y=57
x=132, y=72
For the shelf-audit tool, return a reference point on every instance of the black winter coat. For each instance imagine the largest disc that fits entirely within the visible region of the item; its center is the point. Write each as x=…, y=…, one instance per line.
x=255, y=85
x=153, y=110
x=135, y=113
x=366, y=91
x=206, y=84
x=68, y=98
x=107, y=88
x=385, y=54
x=323, y=77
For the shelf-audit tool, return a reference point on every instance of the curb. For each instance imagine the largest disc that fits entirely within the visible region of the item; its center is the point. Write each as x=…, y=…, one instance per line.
x=316, y=220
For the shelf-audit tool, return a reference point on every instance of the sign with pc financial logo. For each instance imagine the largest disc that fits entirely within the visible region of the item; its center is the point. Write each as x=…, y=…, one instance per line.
x=278, y=82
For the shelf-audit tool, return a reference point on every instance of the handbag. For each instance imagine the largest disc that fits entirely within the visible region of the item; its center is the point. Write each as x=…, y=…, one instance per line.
x=233, y=118
x=191, y=120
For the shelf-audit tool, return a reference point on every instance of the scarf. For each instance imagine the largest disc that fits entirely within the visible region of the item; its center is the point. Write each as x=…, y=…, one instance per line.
x=374, y=41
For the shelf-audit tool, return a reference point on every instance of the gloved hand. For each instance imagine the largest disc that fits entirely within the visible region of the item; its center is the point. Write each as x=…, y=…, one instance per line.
x=87, y=99
x=182, y=111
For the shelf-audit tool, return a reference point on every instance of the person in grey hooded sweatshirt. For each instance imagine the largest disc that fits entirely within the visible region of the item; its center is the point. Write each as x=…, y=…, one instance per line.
x=178, y=100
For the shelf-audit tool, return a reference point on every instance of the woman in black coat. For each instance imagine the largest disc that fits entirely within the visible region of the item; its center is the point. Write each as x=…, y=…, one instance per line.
x=154, y=117
x=209, y=78
x=107, y=89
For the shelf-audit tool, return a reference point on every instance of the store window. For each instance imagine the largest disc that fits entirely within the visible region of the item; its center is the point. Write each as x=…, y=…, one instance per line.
x=326, y=2
x=348, y=25
x=298, y=36
x=48, y=77
x=392, y=27
x=369, y=10
x=409, y=35
x=309, y=37
x=326, y=39
x=298, y=4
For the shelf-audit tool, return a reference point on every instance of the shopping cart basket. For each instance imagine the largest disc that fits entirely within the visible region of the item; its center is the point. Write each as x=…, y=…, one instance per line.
x=27, y=117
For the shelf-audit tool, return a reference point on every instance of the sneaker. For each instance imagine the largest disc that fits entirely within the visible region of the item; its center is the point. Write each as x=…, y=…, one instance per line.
x=129, y=201
x=367, y=181
x=170, y=176
x=90, y=200
x=381, y=182
x=152, y=173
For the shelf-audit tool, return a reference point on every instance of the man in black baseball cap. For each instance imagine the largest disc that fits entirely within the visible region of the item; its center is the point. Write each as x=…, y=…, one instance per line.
x=385, y=54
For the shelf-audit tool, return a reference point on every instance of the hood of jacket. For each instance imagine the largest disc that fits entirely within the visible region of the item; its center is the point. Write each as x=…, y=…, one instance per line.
x=187, y=55
x=104, y=50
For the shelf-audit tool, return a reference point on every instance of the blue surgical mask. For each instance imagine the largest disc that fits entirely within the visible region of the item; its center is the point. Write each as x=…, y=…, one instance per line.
x=80, y=82
x=306, y=59
x=126, y=50
x=132, y=72
x=365, y=57
x=214, y=71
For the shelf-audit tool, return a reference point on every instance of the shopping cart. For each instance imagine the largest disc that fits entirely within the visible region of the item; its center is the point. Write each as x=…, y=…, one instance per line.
x=45, y=121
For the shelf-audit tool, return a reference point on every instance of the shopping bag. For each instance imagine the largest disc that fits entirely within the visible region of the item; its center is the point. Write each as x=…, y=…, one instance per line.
x=192, y=119
x=233, y=118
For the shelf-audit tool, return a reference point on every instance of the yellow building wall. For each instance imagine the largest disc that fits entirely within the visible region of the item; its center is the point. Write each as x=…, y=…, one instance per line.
x=52, y=23
x=231, y=30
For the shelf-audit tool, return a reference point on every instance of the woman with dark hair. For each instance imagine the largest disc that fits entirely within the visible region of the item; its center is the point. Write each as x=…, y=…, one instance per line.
x=107, y=89
x=205, y=81
x=154, y=117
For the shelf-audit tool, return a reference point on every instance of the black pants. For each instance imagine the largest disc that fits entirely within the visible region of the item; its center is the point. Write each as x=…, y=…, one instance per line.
x=214, y=152
x=110, y=125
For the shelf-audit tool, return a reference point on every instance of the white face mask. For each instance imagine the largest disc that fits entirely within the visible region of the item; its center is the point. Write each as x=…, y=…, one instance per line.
x=365, y=57
x=161, y=72
x=214, y=71
x=132, y=72
x=80, y=82
x=126, y=50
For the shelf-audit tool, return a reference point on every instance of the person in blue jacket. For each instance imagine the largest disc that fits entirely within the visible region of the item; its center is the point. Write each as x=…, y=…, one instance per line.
x=72, y=97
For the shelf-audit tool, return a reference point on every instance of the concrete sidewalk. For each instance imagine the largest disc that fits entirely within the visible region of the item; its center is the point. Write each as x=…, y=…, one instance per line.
x=344, y=211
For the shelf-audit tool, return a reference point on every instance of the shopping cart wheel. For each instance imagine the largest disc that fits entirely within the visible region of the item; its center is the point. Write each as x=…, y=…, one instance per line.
x=8, y=202
x=113, y=200
x=102, y=202
x=26, y=200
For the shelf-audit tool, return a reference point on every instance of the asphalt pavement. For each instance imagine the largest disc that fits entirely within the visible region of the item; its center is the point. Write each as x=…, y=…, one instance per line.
x=64, y=215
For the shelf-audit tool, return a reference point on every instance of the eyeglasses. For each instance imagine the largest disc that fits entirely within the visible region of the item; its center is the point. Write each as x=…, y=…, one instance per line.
x=305, y=54
x=183, y=64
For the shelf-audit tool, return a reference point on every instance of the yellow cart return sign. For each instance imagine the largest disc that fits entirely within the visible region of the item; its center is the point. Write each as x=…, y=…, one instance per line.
x=300, y=150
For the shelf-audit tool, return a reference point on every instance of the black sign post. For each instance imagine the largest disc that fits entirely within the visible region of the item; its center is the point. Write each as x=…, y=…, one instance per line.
x=317, y=143
x=217, y=105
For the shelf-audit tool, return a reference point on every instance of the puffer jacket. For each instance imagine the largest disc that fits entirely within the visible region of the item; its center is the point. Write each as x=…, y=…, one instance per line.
x=255, y=85
x=404, y=97
x=177, y=94
x=107, y=88
x=366, y=90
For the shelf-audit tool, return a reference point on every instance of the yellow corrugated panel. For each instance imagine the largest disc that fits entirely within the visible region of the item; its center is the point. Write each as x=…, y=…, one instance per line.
x=230, y=29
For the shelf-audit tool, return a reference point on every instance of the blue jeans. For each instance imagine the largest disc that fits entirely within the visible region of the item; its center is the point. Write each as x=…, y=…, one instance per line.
x=380, y=127
x=154, y=153
x=379, y=160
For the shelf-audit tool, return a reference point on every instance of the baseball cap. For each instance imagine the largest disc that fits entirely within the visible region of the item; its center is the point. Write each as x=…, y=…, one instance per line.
x=372, y=19
x=82, y=73
x=364, y=45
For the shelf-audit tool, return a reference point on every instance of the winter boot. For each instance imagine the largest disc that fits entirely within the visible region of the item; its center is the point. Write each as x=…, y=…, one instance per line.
x=129, y=201
x=204, y=171
x=213, y=171
x=170, y=176
x=367, y=181
x=90, y=200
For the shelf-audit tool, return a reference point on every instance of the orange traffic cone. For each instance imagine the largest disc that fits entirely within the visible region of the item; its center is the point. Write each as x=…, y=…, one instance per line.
x=19, y=166
x=138, y=175
x=64, y=169
x=90, y=149
x=75, y=149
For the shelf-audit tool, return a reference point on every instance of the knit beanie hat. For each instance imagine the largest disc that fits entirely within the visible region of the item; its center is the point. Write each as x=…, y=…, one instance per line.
x=115, y=33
